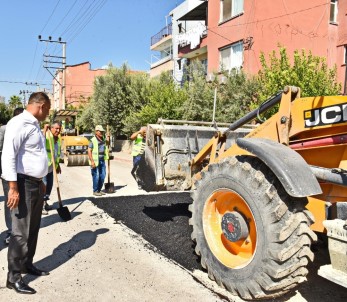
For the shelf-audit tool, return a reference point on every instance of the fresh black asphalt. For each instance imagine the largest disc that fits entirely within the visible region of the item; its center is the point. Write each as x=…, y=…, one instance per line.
x=161, y=219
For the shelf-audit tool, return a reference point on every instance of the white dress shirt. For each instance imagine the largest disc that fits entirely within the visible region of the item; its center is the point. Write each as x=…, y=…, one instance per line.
x=24, y=149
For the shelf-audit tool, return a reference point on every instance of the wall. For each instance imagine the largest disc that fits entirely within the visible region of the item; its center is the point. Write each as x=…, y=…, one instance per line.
x=79, y=84
x=294, y=24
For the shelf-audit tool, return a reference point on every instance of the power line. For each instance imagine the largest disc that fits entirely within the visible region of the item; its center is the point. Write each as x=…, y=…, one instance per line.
x=62, y=19
x=73, y=20
x=50, y=16
x=92, y=15
x=262, y=20
x=276, y=17
x=21, y=82
x=87, y=17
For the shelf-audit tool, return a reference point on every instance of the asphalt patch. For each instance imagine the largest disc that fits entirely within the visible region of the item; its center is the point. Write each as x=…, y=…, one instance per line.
x=161, y=219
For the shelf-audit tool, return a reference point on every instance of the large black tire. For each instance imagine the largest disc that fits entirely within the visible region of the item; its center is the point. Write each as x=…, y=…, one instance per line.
x=279, y=234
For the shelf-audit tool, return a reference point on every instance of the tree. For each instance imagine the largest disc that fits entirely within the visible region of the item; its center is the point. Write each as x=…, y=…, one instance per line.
x=163, y=100
x=14, y=102
x=233, y=99
x=199, y=103
x=116, y=95
x=5, y=114
x=236, y=96
x=308, y=72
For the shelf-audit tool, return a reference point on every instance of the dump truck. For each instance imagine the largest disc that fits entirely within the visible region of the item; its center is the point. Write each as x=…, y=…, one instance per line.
x=74, y=147
x=261, y=196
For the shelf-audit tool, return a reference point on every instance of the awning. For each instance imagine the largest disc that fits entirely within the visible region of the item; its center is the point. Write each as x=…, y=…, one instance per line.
x=197, y=14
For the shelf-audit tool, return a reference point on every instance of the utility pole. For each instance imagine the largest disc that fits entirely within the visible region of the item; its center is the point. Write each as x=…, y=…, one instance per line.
x=63, y=62
x=24, y=96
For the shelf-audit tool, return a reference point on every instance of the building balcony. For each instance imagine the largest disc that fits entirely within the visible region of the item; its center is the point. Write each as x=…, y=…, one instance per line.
x=161, y=61
x=192, y=37
x=162, y=39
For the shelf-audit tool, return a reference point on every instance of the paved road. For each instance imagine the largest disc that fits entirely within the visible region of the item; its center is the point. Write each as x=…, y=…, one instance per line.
x=95, y=257
x=92, y=258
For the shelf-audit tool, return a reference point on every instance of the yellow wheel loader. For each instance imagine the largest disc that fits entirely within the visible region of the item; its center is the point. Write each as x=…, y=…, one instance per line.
x=74, y=147
x=260, y=195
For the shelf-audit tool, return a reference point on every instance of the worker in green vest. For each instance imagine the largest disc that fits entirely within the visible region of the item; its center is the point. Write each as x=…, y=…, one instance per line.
x=98, y=153
x=52, y=134
x=139, y=138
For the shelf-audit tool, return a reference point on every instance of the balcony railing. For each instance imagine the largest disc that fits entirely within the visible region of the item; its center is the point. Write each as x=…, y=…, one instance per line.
x=159, y=61
x=166, y=31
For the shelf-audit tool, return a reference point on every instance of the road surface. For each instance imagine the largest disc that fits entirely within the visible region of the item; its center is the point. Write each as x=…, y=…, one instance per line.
x=96, y=257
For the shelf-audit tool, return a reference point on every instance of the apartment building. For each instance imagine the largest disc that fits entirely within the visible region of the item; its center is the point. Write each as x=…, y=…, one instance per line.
x=237, y=31
x=165, y=43
x=79, y=80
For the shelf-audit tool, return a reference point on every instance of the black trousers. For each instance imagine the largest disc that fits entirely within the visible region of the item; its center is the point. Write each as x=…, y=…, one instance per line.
x=26, y=219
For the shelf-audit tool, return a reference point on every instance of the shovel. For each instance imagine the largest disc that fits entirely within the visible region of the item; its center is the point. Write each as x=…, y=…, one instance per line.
x=63, y=212
x=109, y=186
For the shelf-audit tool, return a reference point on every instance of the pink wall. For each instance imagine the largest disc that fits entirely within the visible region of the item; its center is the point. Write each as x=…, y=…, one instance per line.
x=79, y=83
x=295, y=24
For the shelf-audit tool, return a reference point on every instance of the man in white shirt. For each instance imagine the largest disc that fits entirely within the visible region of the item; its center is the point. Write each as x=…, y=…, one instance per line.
x=7, y=211
x=24, y=164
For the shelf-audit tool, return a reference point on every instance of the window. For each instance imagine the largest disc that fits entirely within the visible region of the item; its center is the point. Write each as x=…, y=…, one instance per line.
x=231, y=56
x=345, y=55
x=230, y=8
x=333, y=11
x=204, y=64
x=166, y=53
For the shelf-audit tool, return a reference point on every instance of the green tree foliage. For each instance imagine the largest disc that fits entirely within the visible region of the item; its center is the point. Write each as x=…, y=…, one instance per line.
x=199, y=103
x=14, y=102
x=237, y=96
x=233, y=99
x=164, y=99
x=307, y=71
x=6, y=111
x=5, y=114
x=115, y=94
x=127, y=100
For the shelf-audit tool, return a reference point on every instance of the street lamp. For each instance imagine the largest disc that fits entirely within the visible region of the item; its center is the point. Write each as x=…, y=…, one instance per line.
x=211, y=78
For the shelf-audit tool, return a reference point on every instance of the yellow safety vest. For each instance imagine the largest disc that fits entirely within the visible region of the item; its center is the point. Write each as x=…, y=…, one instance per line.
x=95, y=151
x=49, y=137
x=138, y=146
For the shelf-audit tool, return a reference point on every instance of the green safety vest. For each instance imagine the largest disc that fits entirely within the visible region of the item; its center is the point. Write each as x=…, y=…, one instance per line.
x=49, y=138
x=95, y=151
x=138, y=146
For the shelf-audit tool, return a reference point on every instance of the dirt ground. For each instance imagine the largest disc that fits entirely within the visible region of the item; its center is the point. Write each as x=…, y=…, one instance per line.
x=129, y=246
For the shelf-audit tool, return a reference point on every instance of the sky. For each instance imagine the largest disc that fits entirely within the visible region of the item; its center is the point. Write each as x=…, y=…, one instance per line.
x=97, y=31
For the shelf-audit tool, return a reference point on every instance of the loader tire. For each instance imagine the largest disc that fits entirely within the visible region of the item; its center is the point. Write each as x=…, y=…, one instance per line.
x=253, y=238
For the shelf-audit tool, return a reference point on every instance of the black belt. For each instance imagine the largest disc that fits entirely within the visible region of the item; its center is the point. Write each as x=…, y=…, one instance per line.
x=23, y=176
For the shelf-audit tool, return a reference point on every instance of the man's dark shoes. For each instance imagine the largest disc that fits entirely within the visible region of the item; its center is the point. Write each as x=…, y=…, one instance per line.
x=35, y=271
x=20, y=287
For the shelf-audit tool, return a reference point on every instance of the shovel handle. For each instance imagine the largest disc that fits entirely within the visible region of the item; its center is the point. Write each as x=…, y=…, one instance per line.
x=54, y=169
x=108, y=161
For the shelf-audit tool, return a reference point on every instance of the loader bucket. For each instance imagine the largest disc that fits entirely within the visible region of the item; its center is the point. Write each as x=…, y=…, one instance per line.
x=169, y=148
